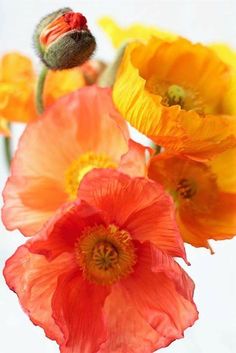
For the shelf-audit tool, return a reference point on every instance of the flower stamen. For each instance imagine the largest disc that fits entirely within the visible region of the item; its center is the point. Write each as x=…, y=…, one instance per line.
x=186, y=189
x=80, y=167
x=105, y=254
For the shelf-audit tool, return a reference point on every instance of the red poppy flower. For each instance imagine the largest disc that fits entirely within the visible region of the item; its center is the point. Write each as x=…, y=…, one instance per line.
x=100, y=277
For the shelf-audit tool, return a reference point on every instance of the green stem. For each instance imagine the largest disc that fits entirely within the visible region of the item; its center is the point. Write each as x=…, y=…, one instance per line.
x=39, y=90
x=7, y=147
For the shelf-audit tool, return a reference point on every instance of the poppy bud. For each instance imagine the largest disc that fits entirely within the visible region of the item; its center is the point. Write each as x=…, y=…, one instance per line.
x=63, y=40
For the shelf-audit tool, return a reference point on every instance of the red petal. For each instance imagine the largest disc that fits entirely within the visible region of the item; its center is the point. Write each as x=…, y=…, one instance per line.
x=162, y=293
x=137, y=205
x=77, y=309
x=127, y=330
x=64, y=229
x=34, y=280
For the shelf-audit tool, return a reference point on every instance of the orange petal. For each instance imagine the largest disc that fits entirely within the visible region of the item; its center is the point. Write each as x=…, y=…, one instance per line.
x=60, y=83
x=199, y=211
x=17, y=83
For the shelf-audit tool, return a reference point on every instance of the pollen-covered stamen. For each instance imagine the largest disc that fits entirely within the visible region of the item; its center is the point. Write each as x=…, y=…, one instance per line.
x=81, y=166
x=105, y=254
x=186, y=189
x=188, y=98
x=175, y=95
x=61, y=25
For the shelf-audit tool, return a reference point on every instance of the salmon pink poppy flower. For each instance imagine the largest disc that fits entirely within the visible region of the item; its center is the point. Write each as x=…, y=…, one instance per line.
x=80, y=132
x=174, y=92
x=204, y=194
x=100, y=276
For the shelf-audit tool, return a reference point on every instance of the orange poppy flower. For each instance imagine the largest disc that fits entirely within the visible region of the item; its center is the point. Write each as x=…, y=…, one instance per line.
x=18, y=82
x=119, y=35
x=204, y=194
x=55, y=152
x=173, y=92
x=100, y=277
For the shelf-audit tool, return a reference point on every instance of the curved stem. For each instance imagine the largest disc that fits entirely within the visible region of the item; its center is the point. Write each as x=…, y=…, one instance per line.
x=39, y=90
x=7, y=147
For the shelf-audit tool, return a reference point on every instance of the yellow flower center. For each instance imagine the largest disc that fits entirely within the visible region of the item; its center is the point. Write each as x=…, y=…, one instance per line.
x=173, y=94
x=80, y=167
x=186, y=189
x=105, y=254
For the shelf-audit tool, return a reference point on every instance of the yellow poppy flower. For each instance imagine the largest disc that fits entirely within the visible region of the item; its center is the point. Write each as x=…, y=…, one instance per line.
x=119, y=35
x=228, y=55
x=173, y=92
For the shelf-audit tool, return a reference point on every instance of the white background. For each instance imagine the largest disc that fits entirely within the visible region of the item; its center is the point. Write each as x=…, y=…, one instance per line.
x=215, y=276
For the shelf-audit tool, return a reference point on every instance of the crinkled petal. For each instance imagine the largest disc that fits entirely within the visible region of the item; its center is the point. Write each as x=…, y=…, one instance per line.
x=77, y=309
x=127, y=330
x=179, y=131
x=34, y=280
x=162, y=293
x=138, y=205
x=49, y=146
x=65, y=228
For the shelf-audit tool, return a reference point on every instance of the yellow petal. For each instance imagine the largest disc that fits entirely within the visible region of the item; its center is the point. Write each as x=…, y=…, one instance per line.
x=4, y=130
x=120, y=35
x=225, y=53
x=228, y=56
x=224, y=167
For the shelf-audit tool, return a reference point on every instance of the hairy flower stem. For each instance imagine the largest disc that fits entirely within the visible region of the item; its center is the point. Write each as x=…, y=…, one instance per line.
x=39, y=90
x=7, y=147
